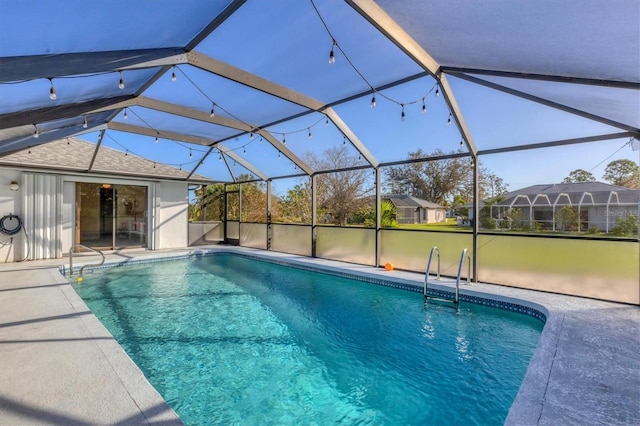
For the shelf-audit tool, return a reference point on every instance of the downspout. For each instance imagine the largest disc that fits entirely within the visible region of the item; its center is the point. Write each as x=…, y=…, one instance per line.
x=314, y=194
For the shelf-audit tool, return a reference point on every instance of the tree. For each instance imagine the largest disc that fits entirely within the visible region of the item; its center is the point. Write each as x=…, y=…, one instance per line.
x=626, y=226
x=254, y=202
x=441, y=180
x=579, y=175
x=567, y=219
x=340, y=194
x=623, y=173
x=209, y=204
x=388, y=212
x=434, y=181
x=295, y=206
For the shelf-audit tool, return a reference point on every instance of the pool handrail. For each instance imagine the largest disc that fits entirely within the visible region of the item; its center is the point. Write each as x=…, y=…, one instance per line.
x=75, y=246
x=435, y=250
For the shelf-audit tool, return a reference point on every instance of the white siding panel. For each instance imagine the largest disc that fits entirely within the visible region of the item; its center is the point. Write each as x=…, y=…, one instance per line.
x=42, y=211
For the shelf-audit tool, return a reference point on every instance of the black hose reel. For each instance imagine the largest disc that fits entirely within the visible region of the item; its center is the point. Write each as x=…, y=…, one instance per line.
x=10, y=224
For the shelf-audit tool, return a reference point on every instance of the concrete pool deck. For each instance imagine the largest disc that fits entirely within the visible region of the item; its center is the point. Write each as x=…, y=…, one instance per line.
x=59, y=365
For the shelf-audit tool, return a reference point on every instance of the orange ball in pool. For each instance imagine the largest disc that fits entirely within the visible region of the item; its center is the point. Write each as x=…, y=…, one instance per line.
x=388, y=266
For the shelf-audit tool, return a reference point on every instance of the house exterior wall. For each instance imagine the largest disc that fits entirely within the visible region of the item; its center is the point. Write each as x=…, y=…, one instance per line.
x=10, y=202
x=168, y=205
x=172, y=218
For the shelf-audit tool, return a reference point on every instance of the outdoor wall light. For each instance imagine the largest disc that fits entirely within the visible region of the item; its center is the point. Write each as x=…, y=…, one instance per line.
x=14, y=186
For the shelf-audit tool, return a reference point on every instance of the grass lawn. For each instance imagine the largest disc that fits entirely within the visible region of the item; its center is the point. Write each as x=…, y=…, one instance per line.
x=449, y=225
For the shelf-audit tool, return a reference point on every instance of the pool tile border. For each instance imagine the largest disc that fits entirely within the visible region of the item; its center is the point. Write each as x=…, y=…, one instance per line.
x=442, y=294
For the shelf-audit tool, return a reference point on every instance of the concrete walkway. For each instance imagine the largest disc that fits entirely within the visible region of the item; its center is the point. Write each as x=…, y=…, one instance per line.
x=59, y=365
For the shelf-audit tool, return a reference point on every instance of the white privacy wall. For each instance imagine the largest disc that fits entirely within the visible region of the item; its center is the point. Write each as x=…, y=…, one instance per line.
x=172, y=215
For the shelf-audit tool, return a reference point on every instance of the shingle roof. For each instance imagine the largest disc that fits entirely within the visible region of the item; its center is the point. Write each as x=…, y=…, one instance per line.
x=403, y=200
x=73, y=154
x=549, y=193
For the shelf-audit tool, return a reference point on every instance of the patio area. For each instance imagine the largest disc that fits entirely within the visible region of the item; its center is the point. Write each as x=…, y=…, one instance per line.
x=61, y=366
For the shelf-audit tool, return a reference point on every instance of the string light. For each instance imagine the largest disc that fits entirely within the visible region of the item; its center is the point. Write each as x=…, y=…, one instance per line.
x=173, y=73
x=309, y=135
x=84, y=123
x=332, y=56
x=68, y=141
x=154, y=164
x=190, y=153
x=373, y=101
x=157, y=135
x=219, y=157
x=212, y=113
x=344, y=140
x=284, y=141
x=402, y=114
x=121, y=82
x=449, y=119
x=251, y=135
x=52, y=91
x=326, y=121
x=279, y=154
x=125, y=113
x=126, y=153
x=244, y=150
x=438, y=91
x=424, y=106
x=36, y=134
x=461, y=142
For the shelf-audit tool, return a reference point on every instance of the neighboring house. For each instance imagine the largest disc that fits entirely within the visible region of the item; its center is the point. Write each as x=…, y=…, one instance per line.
x=597, y=204
x=415, y=210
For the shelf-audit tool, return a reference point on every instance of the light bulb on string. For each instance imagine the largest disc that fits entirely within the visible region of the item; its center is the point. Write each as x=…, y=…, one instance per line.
x=190, y=153
x=438, y=91
x=36, y=134
x=332, y=56
x=84, y=123
x=173, y=73
x=52, y=91
x=461, y=142
x=244, y=150
x=219, y=157
x=344, y=140
x=284, y=141
x=180, y=167
x=212, y=113
x=402, y=114
x=68, y=141
x=449, y=119
x=157, y=138
x=121, y=82
x=126, y=153
x=309, y=135
x=424, y=106
x=326, y=123
x=154, y=164
x=251, y=136
x=125, y=113
x=373, y=101
x=279, y=154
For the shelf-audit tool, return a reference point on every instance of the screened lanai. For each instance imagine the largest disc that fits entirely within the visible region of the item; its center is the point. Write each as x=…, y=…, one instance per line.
x=281, y=94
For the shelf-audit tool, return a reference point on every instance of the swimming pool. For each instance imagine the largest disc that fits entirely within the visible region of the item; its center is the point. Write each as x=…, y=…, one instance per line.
x=229, y=339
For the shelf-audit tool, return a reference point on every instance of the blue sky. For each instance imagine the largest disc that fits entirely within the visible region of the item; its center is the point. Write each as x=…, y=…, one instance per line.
x=251, y=41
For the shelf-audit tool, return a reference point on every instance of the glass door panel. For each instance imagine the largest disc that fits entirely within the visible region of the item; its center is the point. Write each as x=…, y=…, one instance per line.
x=131, y=216
x=111, y=216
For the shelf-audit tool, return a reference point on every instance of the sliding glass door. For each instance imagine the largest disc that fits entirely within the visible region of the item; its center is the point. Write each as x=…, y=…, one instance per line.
x=111, y=216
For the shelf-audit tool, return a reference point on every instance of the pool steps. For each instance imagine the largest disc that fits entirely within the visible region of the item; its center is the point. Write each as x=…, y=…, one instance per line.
x=456, y=298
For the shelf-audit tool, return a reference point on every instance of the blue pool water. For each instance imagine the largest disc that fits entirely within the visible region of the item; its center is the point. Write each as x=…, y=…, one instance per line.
x=232, y=340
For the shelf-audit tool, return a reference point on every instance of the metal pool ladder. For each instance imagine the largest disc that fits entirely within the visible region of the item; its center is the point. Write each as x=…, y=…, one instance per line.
x=92, y=265
x=436, y=251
